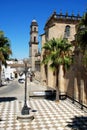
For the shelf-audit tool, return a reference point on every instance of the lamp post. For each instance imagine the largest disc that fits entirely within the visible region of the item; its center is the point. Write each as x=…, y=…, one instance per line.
x=25, y=113
x=25, y=109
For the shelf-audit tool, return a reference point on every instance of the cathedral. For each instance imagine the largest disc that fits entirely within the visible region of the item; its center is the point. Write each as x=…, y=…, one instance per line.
x=58, y=25
x=73, y=84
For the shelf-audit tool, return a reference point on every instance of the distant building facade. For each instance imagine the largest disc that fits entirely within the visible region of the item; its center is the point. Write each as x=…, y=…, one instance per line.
x=13, y=69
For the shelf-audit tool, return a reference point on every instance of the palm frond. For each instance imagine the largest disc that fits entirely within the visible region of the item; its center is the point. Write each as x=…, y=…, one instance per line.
x=5, y=49
x=55, y=52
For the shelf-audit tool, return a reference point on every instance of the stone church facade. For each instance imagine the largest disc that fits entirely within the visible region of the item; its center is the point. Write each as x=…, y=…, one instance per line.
x=74, y=84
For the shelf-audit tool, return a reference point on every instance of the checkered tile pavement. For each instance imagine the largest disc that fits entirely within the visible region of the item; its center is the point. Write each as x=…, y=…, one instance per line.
x=48, y=115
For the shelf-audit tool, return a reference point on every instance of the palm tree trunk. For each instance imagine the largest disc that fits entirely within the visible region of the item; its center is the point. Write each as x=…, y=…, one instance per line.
x=57, y=87
x=61, y=81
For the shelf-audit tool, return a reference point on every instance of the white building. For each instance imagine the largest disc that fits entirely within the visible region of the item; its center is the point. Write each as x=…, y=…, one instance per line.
x=13, y=70
x=7, y=72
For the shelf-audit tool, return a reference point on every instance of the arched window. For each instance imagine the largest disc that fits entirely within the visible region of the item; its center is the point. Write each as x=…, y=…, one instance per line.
x=34, y=39
x=34, y=29
x=67, y=31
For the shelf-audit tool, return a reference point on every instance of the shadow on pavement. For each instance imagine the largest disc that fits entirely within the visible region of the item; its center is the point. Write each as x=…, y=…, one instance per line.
x=7, y=99
x=50, y=95
x=78, y=123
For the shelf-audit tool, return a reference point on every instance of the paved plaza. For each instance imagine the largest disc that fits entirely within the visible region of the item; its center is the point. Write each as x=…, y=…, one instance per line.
x=48, y=115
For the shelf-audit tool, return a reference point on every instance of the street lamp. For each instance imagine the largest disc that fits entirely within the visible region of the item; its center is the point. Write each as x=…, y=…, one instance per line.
x=25, y=113
x=25, y=109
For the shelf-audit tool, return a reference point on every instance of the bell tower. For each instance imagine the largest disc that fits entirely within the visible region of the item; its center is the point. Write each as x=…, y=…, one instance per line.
x=33, y=44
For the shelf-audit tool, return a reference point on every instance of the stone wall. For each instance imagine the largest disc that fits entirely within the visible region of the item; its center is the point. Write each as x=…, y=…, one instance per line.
x=76, y=81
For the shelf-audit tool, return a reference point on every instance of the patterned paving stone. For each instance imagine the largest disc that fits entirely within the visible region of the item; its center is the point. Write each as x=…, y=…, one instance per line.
x=48, y=115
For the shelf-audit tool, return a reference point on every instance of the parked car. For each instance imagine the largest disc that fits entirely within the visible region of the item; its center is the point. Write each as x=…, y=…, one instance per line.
x=4, y=83
x=21, y=80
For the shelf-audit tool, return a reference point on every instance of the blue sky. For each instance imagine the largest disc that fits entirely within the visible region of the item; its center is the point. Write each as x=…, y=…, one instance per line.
x=16, y=17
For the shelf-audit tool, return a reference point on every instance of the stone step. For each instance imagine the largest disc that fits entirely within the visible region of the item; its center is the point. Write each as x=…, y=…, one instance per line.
x=47, y=94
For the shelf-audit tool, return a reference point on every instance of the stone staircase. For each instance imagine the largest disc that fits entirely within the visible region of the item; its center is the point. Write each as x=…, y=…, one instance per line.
x=37, y=90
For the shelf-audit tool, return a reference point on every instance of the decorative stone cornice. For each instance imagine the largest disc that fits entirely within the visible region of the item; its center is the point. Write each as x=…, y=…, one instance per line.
x=61, y=18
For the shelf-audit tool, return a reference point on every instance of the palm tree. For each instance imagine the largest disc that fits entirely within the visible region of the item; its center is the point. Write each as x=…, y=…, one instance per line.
x=57, y=52
x=82, y=32
x=81, y=38
x=5, y=50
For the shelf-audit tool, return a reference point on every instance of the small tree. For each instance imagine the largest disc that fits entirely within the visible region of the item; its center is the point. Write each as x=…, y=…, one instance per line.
x=57, y=52
x=5, y=50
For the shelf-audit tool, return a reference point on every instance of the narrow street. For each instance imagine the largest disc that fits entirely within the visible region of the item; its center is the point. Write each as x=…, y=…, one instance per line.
x=13, y=89
x=16, y=89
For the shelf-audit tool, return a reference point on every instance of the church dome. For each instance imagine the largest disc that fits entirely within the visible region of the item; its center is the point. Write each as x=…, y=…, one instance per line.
x=34, y=23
